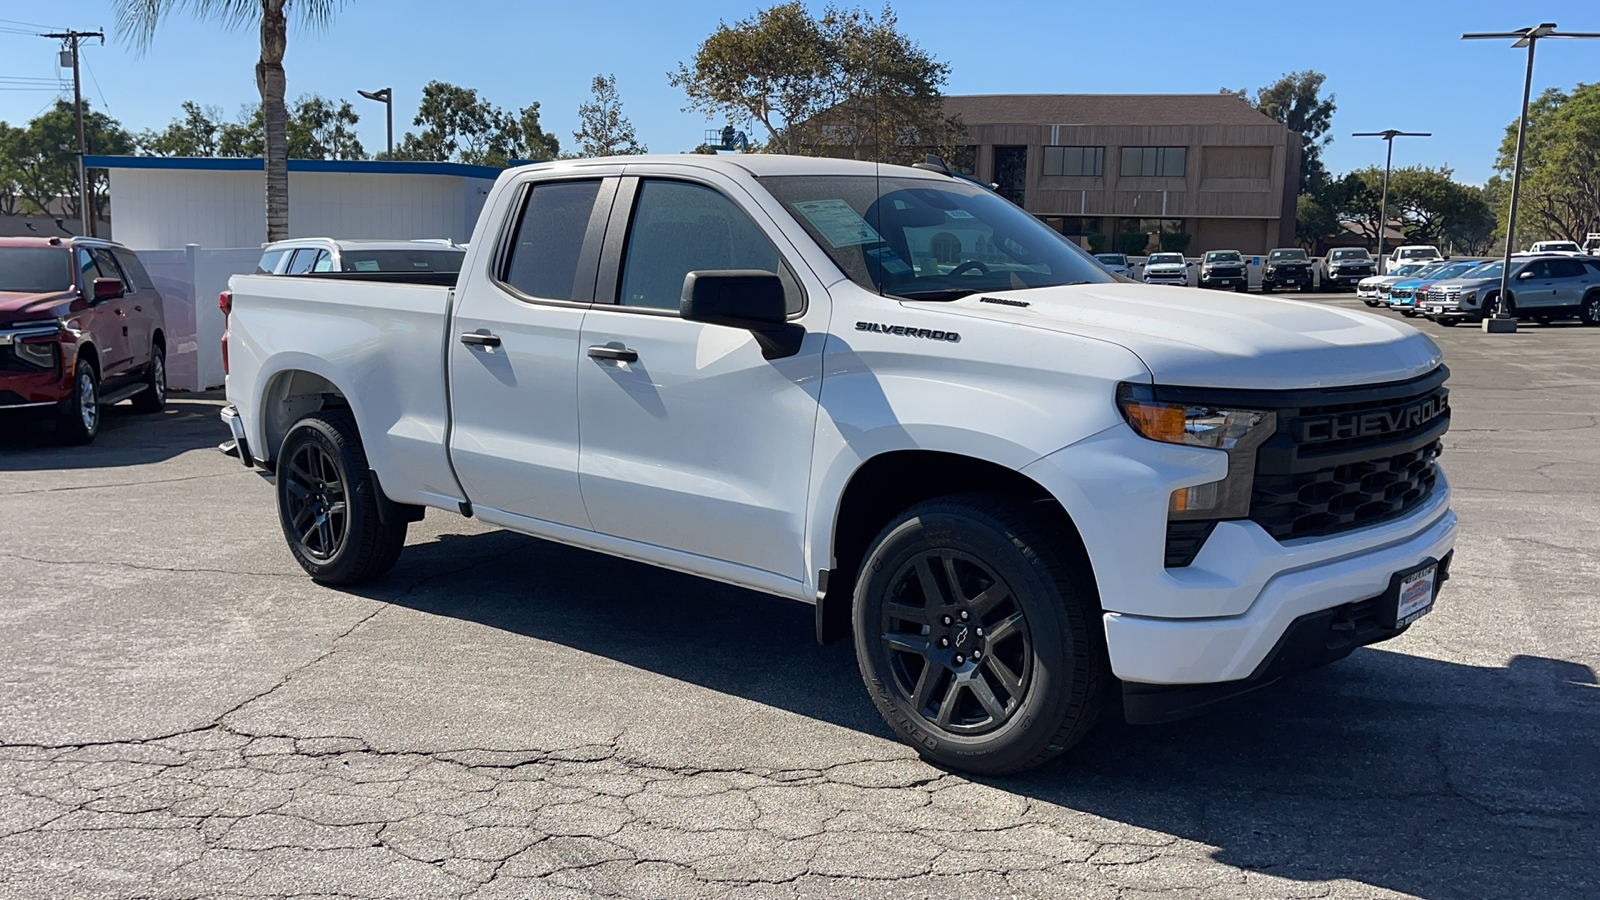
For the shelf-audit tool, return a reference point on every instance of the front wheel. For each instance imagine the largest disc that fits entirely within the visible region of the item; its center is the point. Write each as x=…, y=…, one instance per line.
x=328, y=503
x=79, y=420
x=975, y=635
x=1501, y=306
x=1372, y=303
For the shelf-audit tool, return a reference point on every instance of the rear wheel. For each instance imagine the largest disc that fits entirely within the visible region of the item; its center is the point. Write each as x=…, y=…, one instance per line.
x=1589, y=310
x=153, y=398
x=328, y=503
x=974, y=633
x=79, y=420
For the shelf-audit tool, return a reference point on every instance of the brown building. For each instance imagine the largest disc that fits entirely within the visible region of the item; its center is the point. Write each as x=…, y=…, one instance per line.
x=1206, y=165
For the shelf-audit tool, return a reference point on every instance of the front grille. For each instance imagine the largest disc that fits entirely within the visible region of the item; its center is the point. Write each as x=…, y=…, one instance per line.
x=1226, y=273
x=1350, y=458
x=1400, y=293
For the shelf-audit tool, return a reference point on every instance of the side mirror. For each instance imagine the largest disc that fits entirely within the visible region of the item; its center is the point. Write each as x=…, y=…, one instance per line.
x=1525, y=273
x=751, y=299
x=108, y=289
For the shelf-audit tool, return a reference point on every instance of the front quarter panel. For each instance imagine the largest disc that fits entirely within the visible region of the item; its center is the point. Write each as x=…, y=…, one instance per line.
x=1001, y=392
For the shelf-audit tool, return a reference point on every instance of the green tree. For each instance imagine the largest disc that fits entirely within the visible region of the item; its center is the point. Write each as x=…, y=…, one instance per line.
x=192, y=134
x=602, y=128
x=1560, y=196
x=846, y=83
x=40, y=162
x=11, y=144
x=1296, y=100
x=1314, y=219
x=458, y=125
x=138, y=20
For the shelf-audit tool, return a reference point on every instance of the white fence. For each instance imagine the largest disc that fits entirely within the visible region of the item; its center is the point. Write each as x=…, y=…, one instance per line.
x=190, y=281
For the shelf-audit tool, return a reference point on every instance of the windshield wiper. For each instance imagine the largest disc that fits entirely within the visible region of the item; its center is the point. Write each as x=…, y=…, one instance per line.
x=942, y=294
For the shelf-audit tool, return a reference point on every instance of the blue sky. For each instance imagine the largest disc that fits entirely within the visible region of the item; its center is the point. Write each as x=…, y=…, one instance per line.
x=1396, y=65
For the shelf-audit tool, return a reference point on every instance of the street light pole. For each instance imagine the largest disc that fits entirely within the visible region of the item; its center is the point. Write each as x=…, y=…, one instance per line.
x=386, y=97
x=1388, y=162
x=1504, y=319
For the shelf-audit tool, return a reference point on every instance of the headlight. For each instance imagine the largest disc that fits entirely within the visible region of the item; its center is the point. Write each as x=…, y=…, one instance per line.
x=1470, y=298
x=1236, y=432
x=42, y=355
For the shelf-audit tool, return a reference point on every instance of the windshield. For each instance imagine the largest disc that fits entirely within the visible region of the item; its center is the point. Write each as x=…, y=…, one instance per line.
x=1350, y=254
x=1558, y=245
x=923, y=238
x=1164, y=259
x=1278, y=255
x=1490, y=269
x=1411, y=269
x=35, y=270
x=1420, y=253
x=1454, y=270
x=401, y=260
x=1113, y=259
x=1224, y=256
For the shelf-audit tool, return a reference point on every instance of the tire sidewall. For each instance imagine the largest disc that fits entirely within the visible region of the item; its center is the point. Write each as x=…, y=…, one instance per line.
x=1048, y=699
x=70, y=423
x=1589, y=310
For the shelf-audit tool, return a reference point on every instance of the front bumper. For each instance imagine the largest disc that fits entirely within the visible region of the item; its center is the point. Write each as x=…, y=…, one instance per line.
x=1222, y=281
x=1218, y=618
x=1337, y=277
x=1166, y=278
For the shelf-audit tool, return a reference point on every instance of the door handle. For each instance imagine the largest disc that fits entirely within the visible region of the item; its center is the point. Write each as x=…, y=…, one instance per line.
x=620, y=355
x=475, y=339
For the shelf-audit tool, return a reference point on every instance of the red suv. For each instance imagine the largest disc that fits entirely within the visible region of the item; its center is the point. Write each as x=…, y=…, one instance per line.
x=80, y=328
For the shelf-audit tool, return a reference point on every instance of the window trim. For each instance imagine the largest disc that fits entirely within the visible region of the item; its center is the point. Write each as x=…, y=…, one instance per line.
x=1044, y=161
x=589, y=253
x=1160, y=151
x=619, y=232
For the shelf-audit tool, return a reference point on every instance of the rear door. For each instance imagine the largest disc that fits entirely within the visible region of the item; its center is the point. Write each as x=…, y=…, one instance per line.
x=1567, y=282
x=513, y=353
x=143, y=306
x=691, y=439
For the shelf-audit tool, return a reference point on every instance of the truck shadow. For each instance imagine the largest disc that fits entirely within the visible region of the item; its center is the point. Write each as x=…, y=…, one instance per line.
x=126, y=438
x=1432, y=778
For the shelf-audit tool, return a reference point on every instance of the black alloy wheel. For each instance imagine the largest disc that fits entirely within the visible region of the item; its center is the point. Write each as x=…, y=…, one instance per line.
x=957, y=642
x=328, y=502
x=318, y=506
x=976, y=629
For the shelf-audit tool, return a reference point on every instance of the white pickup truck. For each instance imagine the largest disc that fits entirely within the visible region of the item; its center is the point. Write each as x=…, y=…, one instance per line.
x=1025, y=488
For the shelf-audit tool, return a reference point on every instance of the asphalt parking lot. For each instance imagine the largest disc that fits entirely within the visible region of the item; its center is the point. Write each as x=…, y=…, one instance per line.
x=186, y=715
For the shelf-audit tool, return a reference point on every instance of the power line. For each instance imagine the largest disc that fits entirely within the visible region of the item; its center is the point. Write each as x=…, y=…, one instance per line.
x=72, y=39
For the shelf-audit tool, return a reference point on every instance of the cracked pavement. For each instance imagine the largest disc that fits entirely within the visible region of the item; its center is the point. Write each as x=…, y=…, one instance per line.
x=185, y=715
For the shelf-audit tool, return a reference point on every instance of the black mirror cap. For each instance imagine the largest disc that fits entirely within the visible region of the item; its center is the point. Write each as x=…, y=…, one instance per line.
x=752, y=299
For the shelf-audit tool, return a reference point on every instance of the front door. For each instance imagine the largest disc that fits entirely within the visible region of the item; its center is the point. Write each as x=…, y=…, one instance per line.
x=107, y=319
x=1535, y=286
x=513, y=346
x=691, y=439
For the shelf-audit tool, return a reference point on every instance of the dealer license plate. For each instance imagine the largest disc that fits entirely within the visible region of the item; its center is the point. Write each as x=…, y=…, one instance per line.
x=1416, y=596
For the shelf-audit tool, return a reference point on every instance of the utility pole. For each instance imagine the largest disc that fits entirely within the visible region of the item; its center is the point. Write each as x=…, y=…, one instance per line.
x=72, y=39
x=1388, y=162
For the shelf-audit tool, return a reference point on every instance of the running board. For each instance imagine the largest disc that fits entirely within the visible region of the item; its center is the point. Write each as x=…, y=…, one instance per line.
x=121, y=394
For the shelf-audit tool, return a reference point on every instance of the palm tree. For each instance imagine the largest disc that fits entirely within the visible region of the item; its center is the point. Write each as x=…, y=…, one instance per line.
x=138, y=19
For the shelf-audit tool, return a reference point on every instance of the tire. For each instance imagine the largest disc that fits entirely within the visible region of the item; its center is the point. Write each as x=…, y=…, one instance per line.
x=1409, y=313
x=153, y=398
x=1266, y=287
x=1371, y=303
x=1494, y=307
x=1048, y=664
x=1589, y=310
x=1448, y=323
x=1243, y=288
x=1307, y=288
x=79, y=420
x=328, y=504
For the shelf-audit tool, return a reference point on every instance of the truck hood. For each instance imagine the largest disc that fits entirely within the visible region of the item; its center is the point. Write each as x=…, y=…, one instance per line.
x=21, y=307
x=1205, y=339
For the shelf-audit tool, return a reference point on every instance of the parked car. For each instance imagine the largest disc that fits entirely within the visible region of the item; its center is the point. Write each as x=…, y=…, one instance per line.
x=1166, y=268
x=319, y=256
x=1224, y=269
x=661, y=326
x=81, y=327
x=1591, y=243
x=1403, y=294
x=1411, y=253
x=1543, y=289
x=1287, y=267
x=1344, y=267
x=1374, y=290
x=1115, y=263
x=1556, y=247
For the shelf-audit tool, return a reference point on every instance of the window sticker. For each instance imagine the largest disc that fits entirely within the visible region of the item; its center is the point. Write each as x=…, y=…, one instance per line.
x=889, y=260
x=958, y=214
x=366, y=265
x=841, y=225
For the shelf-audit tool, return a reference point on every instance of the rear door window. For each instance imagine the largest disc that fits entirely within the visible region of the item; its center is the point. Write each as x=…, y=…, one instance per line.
x=269, y=262
x=134, y=269
x=303, y=260
x=110, y=269
x=545, y=257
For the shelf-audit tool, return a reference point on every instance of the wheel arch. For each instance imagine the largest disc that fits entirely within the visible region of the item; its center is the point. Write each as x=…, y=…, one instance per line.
x=159, y=339
x=288, y=395
x=887, y=484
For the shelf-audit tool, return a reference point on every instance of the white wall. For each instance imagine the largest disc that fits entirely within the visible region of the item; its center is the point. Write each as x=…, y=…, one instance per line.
x=190, y=280
x=171, y=208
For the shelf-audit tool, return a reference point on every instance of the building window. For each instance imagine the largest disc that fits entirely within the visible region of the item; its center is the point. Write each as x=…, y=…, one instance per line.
x=1161, y=162
x=1011, y=172
x=964, y=160
x=1088, y=162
